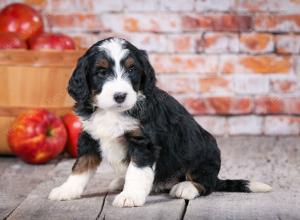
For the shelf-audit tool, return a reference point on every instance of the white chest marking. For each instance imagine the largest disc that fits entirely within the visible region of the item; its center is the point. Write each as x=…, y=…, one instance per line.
x=107, y=127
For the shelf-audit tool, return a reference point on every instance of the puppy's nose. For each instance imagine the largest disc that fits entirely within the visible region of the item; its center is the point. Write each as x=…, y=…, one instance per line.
x=119, y=97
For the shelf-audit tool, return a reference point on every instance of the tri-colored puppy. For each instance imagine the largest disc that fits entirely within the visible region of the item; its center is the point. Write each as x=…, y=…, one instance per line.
x=148, y=138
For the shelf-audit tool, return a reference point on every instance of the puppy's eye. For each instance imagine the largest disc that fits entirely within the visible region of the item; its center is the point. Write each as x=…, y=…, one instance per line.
x=102, y=71
x=131, y=68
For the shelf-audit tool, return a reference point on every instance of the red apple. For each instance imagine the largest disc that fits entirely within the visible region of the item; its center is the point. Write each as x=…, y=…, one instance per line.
x=52, y=41
x=11, y=41
x=22, y=19
x=74, y=128
x=37, y=136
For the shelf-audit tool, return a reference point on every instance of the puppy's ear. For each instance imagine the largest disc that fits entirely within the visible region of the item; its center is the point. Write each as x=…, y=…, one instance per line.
x=78, y=86
x=148, y=78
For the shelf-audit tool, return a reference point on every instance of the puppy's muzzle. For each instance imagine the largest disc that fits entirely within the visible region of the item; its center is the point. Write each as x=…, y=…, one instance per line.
x=120, y=97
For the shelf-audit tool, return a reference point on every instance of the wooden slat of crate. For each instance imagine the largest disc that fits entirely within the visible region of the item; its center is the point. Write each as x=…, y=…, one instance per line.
x=26, y=86
x=65, y=59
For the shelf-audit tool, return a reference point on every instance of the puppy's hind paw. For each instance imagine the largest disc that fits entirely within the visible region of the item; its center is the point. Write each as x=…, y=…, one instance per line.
x=184, y=190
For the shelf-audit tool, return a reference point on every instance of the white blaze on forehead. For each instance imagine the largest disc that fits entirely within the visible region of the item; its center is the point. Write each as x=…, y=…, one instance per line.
x=114, y=48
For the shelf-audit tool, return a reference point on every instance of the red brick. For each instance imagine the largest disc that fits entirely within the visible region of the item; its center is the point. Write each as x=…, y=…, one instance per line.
x=281, y=125
x=75, y=21
x=269, y=105
x=219, y=43
x=256, y=43
x=262, y=64
x=277, y=23
x=165, y=63
x=285, y=85
x=147, y=22
x=183, y=42
x=267, y=64
x=195, y=105
x=292, y=105
x=230, y=105
x=224, y=105
x=222, y=22
x=214, y=84
x=38, y=4
x=288, y=44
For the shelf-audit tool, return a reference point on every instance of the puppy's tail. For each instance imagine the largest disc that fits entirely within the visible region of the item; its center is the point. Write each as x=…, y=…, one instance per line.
x=241, y=186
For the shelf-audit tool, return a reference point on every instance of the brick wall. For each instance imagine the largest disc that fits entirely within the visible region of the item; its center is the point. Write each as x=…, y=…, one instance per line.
x=235, y=64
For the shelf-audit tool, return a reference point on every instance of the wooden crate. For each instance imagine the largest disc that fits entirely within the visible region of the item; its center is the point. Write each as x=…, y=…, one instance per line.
x=31, y=79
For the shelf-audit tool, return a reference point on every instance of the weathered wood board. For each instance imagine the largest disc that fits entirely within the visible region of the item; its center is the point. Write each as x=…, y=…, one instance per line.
x=37, y=205
x=268, y=159
x=248, y=206
x=156, y=207
x=17, y=181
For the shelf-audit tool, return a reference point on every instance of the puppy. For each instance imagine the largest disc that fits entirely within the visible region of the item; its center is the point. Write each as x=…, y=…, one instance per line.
x=149, y=139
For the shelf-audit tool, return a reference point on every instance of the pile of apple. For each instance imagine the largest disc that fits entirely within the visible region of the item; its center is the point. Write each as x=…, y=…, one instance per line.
x=21, y=27
x=37, y=136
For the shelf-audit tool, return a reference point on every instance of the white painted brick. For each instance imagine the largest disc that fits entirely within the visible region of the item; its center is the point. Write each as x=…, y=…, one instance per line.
x=177, y=5
x=141, y=5
x=150, y=42
x=287, y=6
x=288, y=44
x=297, y=65
x=177, y=83
x=214, y=5
x=106, y=5
x=249, y=84
x=281, y=125
x=245, y=125
x=214, y=124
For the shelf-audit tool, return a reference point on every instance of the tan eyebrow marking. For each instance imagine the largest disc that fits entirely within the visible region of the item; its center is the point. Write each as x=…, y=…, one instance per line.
x=129, y=62
x=103, y=63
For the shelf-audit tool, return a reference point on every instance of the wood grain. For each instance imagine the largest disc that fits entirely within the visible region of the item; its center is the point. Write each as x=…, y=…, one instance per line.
x=17, y=181
x=156, y=207
x=5, y=123
x=37, y=205
x=34, y=87
x=247, y=206
x=39, y=58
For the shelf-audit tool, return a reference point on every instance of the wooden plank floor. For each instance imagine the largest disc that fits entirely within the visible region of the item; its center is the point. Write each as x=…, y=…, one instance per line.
x=24, y=188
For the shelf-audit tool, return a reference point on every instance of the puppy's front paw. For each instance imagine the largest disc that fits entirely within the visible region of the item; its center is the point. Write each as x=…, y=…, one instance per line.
x=65, y=192
x=125, y=199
